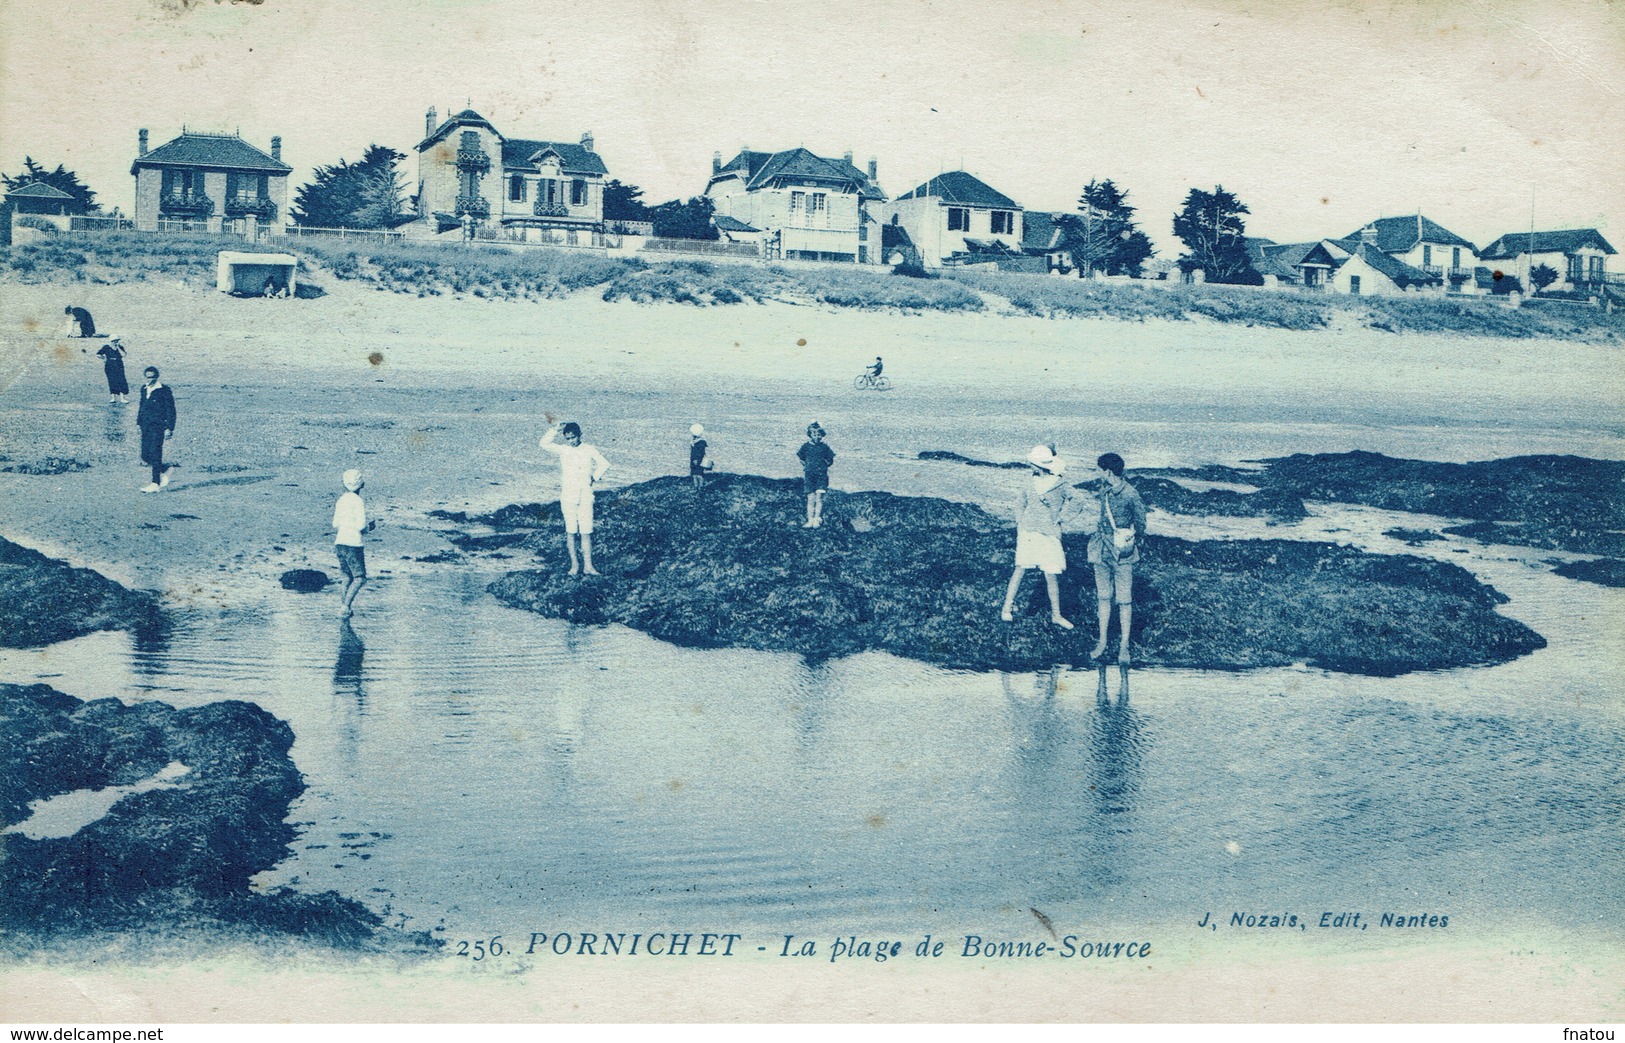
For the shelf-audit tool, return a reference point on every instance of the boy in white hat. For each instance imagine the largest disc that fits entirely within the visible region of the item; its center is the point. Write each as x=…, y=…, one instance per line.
x=350, y=520
x=581, y=466
x=1039, y=511
x=699, y=459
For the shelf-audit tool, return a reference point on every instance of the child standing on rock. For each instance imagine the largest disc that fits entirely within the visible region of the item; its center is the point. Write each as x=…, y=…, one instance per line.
x=815, y=459
x=699, y=457
x=1039, y=512
x=580, y=467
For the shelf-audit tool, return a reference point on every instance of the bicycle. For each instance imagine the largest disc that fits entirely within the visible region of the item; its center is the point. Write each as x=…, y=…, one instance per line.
x=870, y=382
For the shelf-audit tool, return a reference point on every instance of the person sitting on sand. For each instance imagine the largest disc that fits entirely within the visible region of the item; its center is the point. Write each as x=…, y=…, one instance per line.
x=112, y=356
x=580, y=467
x=1040, y=510
x=699, y=459
x=350, y=521
x=1113, y=550
x=80, y=324
x=816, y=458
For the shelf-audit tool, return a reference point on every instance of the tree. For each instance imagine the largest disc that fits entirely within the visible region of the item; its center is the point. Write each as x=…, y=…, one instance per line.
x=676, y=219
x=1214, y=235
x=1102, y=236
x=62, y=179
x=354, y=195
x=1542, y=275
x=624, y=202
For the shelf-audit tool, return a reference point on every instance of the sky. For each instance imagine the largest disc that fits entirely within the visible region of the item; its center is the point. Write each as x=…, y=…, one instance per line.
x=1319, y=114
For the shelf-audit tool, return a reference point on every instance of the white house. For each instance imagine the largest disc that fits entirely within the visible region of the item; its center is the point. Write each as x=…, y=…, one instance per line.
x=1578, y=255
x=1425, y=245
x=805, y=207
x=956, y=218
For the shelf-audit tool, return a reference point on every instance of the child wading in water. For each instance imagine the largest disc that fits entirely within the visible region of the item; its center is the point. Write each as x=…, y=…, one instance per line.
x=699, y=457
x=1113, y=550
x=580, y=467
x=1038, y=531
x=350, y=521
x=815, y=459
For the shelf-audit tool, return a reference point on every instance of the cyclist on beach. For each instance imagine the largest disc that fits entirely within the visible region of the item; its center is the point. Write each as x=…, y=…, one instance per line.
x=874, y=370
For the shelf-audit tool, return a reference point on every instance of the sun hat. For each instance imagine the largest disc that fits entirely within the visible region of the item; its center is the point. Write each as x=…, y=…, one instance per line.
x=697, y=430
x=352, y=479
x=115, y=336
x=1043, y=456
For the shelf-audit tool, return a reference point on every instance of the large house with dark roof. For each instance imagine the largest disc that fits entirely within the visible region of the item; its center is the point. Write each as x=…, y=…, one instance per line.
x=956, y=218
x=211, y=182
x=1578, y=255
x=806, y=207
x=1423, y=244
x=472, y=176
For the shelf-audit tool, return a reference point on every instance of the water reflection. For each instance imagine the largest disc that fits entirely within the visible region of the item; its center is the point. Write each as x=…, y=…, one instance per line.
x=347, y=667
x=114, y=422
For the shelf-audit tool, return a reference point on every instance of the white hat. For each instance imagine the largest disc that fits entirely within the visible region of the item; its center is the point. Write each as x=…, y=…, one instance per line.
x=352, y=479
x=115, y=336
x=697, y=430
x=1043, y=456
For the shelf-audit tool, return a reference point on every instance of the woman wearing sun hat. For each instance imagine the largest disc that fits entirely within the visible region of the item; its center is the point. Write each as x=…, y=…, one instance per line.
x=1039, y=511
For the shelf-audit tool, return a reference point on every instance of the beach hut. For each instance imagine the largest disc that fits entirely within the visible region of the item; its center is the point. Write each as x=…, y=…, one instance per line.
x=248, y=274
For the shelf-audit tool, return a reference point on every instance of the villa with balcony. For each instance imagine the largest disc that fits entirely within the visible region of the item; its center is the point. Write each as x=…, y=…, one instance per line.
x=476, y=181
x=1423, y=245
x=210, y=182
x=805, y=207
x=956, y=218
x=1578, y=255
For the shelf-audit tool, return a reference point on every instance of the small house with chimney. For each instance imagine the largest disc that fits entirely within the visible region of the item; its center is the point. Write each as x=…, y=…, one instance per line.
x=957, y=218
x=1425, y=245
x=1578, y=255
x=473, y=178
x=806, y=207
x=210, y=182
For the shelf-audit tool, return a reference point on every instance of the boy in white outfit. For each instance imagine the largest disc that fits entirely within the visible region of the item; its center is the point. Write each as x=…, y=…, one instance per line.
x=580, y=467
x=350, y=521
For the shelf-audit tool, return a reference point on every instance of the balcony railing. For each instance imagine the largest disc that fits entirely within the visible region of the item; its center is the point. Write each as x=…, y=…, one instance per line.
x=473, y=159
x=255, y=206
x=542, y=209
x=1460, y=274
x=192, y=203
x=474, y=206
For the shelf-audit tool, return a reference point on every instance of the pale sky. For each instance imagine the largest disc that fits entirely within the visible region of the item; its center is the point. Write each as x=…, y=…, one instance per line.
x=1320, y=115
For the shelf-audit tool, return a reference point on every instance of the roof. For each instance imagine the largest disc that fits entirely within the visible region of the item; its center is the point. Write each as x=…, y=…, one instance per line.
x=962, y=189
x=519, y=153
x=38, y=190
x=466, y=118
x=1266, y=257
x=895, y=237
x=725, y=223
x=1402, y=274
x=1039, y=232
x=1397, y=235
x=1568, y=241
x=759, y=169
x=226, y=151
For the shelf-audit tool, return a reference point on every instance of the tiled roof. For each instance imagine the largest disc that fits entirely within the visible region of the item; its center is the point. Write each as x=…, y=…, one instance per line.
x=573, y=158
x=725, y=223
x=760, y=169
x=1039, y=232
x=466, y=118
x=962, y=189
x=1402, y=274
x=37, y=190
x=224, y=151
x=1568, y=241
x=1397, y=235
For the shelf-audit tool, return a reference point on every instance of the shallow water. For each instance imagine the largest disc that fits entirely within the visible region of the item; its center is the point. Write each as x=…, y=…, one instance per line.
x=487, y=771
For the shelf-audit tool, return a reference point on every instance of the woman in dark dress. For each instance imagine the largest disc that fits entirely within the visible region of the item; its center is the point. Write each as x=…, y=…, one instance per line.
x=112, y=356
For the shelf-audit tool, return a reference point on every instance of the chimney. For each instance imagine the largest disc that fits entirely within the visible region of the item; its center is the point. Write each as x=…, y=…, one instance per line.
x=586, y=141
x=430, y=121
x=276, y=148
x=874, y=169
x=847, y=155
x=716, y=162
x=141, y=141
x=1368, y=234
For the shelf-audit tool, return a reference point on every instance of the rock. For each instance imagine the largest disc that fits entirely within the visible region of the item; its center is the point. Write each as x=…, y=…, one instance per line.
x=305, y=581
x=1607, y=572
x=43, y=601
x=732, y=567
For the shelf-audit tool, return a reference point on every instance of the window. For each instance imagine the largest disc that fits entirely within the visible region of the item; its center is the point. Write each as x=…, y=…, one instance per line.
x=1596, y=268
x=578, y=193
x=1003, y=222
x=1455, y=257
x=798, y=202
x=1427, y=255
x=1354, y=284
x=1575, y=271
x=958, y=219
x=818, y=203
x=516, y=189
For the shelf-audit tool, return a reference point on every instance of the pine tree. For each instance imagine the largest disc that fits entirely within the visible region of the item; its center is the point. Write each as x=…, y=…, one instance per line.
x=1103, y=236
x=353, y=195
x=1214, y=235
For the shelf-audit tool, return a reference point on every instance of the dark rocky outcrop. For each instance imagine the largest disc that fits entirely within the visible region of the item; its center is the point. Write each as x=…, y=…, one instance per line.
x=43, y=600
x=1607, y=572
x=305, y=581
x=923, y=578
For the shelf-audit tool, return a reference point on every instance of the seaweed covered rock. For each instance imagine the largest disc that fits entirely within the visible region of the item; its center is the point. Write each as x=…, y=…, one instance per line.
x=169, y=858
x=43, y=600
x=923, y=578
